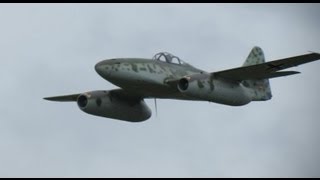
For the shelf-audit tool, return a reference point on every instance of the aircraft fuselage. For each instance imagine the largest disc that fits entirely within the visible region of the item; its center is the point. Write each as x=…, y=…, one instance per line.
x=147, y=78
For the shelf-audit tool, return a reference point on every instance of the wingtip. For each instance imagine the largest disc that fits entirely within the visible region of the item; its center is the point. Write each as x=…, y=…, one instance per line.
x=49, y=98
x=314, y=52
x=46, y=98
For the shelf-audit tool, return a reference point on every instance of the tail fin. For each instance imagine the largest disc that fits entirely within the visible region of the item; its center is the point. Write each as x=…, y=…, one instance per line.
x=261, y=90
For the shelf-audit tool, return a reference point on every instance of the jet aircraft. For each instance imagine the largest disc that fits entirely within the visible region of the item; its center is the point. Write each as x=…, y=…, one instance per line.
x=166, y=76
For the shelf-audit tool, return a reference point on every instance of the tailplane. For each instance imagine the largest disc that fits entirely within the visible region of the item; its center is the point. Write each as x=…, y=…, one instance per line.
x=261, y=90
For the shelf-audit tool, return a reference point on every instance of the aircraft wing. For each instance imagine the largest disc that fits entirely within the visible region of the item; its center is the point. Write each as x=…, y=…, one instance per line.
x=267, y=69
x=65, y=98
x=119, y=93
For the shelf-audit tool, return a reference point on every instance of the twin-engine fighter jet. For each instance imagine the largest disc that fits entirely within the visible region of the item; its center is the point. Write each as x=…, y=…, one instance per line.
x=166, y=76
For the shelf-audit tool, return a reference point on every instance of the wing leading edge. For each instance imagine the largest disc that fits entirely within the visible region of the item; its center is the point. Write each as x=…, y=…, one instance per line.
x=268, y=69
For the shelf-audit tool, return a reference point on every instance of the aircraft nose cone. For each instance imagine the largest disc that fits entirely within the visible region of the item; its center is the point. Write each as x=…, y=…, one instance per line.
x=104, y=68
x=98, y=67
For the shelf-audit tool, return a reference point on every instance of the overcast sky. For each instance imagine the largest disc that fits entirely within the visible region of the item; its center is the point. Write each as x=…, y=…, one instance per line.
x=51, y=49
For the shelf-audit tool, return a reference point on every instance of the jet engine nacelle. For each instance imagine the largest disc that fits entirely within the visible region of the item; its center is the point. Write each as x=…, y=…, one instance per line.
x=112, y=105
x=194, y=88
x=204, y=87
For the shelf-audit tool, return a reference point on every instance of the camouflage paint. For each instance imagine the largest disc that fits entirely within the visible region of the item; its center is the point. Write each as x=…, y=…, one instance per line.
x=150, y=78
x=260, y=89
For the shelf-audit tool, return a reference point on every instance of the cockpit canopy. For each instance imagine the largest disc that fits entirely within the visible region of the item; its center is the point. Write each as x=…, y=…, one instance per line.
x=169, y=58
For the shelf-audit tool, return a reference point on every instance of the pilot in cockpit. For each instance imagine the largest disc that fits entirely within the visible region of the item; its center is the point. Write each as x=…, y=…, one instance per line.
x=168, y=58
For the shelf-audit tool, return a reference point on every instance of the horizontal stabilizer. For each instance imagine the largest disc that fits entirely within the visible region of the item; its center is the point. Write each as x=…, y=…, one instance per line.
x=267, y=69
x=277, y=74
x=65, y=98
